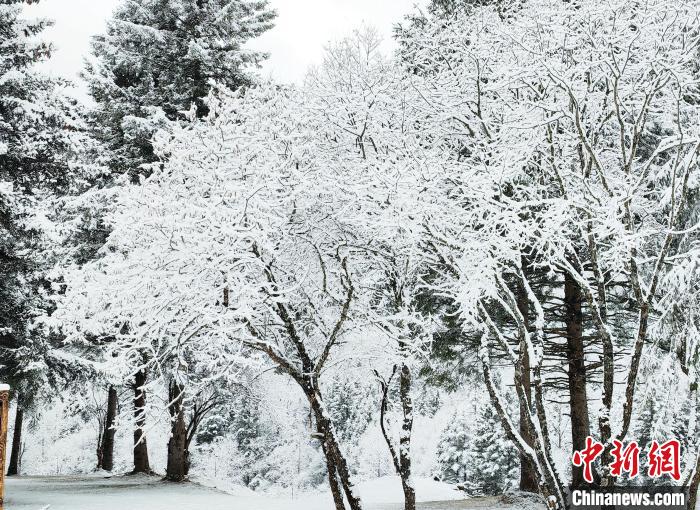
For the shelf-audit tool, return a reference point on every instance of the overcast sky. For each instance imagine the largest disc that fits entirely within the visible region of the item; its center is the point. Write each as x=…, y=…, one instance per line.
x=302, y=29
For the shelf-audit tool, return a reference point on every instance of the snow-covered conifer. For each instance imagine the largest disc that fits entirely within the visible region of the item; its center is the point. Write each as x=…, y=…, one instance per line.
x=158, y=60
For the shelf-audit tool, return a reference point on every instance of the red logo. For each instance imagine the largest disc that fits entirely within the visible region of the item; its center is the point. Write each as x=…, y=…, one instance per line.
x=626, y=460
x=587, y=457
x=665, y=459
x=662, y=459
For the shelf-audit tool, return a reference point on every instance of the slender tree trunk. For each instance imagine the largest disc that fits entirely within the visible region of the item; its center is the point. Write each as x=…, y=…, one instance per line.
x=402, y=458
x=107, y=446
x=405, y=439
x=141, y=464
x=578, y=401
x=176, y=470
x=331, y=447
x=14, y=467
x=529, y=480
x=187, y=460
x=549, y=485
x=332, y=477
x=100, y=440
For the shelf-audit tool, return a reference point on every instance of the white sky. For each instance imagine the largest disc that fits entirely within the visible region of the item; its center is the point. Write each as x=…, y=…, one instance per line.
x=303, y=28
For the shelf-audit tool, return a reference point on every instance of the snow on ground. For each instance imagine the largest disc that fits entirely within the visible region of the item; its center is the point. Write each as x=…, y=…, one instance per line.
x=388, y=490
x=150, y=493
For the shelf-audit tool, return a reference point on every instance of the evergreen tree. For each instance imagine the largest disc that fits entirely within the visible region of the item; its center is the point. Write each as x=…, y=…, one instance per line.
x=38, y=125
x=248, y=429
x=475, y=453
x=453, y=450
x=157, y=60
x=493, y=460
x=351, y=408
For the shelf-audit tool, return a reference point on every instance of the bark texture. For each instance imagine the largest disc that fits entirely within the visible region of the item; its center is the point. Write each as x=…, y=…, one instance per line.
x=402, y=458
x=334, y=455
x=177, y=467
x=694, y=483
x=141, y=464
x=529, y=480
x=336, y=490
x=14, y=466
x=576, y=359
x=409, y=491
x=107, y=444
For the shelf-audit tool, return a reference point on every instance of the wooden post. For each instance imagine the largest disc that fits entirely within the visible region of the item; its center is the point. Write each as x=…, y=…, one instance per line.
x=4, y=408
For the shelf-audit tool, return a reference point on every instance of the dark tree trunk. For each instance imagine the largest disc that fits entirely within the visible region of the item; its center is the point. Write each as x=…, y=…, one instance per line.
x=528, y=473
x=141, y=464
x=14, y=467
x=405, y=439
x=402, y=458
x=529, y=480
x=100, y=442
x=578, y=402
x=107, y=446
x=336, y=491
x=177, y=468
x=331, y=447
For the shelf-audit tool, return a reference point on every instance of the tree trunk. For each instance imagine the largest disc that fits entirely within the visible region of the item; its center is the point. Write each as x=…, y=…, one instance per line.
x=14, y=467
x=176, y=470
x=100, y=444
x=549, y=485
x=578, y=401
x=141, y=464
x=331, y=446
x=107, y=447
x=529, y=480
x=405, y=439
x=332, y=476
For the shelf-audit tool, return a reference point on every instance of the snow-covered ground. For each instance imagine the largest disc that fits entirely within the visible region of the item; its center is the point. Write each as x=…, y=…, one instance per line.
x=150, y=493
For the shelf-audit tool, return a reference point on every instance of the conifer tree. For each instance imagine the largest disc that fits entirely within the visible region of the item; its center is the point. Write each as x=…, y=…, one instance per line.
x=37, y=125
x=155, y=64
x=493, y=461
x=453, y=450
x=158, y=59
x=351, y=408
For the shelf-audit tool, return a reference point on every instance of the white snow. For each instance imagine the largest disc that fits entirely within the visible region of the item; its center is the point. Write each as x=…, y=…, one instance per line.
x=4, y=387
x=150, y=493
x=388, y=490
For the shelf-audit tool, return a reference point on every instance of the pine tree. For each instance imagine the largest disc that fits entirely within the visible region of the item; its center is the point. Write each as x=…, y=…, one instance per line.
x=37, y=126
x=453, y=450
x=351, y=407
x=475, y=453
x=248, y=429
x=157, y=60
x=493, y=460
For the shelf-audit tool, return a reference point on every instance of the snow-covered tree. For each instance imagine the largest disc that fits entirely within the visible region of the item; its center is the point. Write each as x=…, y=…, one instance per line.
x=39, y=127
x=474, y=452
x=255, y=285
x=555, y=128
x=155, y=64
x=367, y=117
x=157, y=61
x=492, y=461
x=518, y=187
x=453, y=449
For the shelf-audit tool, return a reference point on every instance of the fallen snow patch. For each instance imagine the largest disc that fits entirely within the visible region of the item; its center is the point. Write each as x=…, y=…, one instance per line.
x=388, y=490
